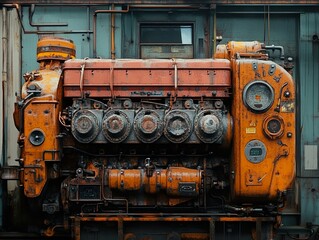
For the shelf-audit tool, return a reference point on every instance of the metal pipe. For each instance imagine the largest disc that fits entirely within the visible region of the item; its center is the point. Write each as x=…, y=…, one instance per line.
x=253, y=12
x=4, y=83
x=215, y=32
x=31, y=13
x=112, y=33
x=164, y=6
x=279, y=48
x=268, y=25
x=94, y=35
x=17, y=7
x=112, y=23
x=4, y=153
x=112, y=11
x=264, y=24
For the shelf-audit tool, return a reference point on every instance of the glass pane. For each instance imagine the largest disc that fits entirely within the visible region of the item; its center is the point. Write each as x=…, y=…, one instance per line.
x=177, y=34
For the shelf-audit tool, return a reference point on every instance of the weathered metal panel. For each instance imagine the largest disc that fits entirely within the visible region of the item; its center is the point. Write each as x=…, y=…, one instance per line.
x=10, y=80
x=198, y=19
x=1, y=95
x=10, y=83
x=309, y=200
x=156, y=78
x=14, y=83
x=309, y=117
x=309, y=90
x=1, y=120
x=311, y=157
x=78, y=21
x=76, y=18
x=234, y=26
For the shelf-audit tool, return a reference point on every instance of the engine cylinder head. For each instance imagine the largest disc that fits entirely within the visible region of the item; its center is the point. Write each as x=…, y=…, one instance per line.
x=208, y=125
x=148, y=126
x=85, y=126
x=116, y=126
x=178, y=126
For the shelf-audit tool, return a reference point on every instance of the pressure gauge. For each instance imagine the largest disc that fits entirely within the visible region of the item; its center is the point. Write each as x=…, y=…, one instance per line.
x=255, y=151
x=258, y=96
x=273, y=126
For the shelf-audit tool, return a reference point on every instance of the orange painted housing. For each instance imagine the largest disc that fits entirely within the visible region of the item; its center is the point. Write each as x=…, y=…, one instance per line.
x=262, y=178
x=232, y=49
x=55, y=48
x=263, y=164
x=177, y=181
x=40, y=130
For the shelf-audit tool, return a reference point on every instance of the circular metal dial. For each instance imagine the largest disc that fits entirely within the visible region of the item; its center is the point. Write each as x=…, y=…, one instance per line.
x=273, y=126
x=255, y=151
x=258, y=96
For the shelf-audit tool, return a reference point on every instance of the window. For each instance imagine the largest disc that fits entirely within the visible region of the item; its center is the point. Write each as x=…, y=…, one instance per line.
x=166, y=40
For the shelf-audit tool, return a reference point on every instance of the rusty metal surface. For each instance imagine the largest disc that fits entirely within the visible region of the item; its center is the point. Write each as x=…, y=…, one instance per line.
x=39, y=128
x=180, y=219
x=49, y=48
x=148, y=126
x=177, y=181
x=265, y=178
x=147, y=78
x=232, y=48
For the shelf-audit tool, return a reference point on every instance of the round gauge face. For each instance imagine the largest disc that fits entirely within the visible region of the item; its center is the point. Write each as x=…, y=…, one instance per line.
x=274, y=126
x=258, y=96
x=255, y=151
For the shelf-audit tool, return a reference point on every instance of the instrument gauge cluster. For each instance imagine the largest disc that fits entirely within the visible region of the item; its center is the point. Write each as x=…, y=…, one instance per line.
x=258, y=96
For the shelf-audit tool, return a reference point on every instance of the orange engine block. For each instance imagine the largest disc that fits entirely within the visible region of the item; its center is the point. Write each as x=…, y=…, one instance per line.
x=102, y=135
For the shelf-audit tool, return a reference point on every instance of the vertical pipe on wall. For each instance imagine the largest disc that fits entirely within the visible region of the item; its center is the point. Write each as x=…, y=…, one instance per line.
x=4, y=107
x=4, y=81
x=215, y=32
x=94, y=34
x=210, y=34
x=112, y=33
x=112, y=11
x=268, y=23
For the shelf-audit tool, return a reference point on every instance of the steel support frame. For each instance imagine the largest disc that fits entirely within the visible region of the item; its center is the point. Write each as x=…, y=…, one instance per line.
x=121, y=219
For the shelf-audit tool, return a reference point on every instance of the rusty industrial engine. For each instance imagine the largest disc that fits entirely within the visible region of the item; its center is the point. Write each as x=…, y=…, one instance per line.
x=155, y=140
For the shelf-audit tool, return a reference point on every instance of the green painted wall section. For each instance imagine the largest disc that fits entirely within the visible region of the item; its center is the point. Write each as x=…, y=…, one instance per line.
x=309, y=115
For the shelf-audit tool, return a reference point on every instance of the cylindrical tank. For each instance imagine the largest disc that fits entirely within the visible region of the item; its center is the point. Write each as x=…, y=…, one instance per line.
x=54, y=48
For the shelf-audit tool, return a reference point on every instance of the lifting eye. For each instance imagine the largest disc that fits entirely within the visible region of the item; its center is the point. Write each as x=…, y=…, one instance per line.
x=273, y=126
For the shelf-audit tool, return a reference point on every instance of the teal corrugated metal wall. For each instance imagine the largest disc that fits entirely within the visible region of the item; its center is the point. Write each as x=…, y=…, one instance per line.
x=309, y=116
